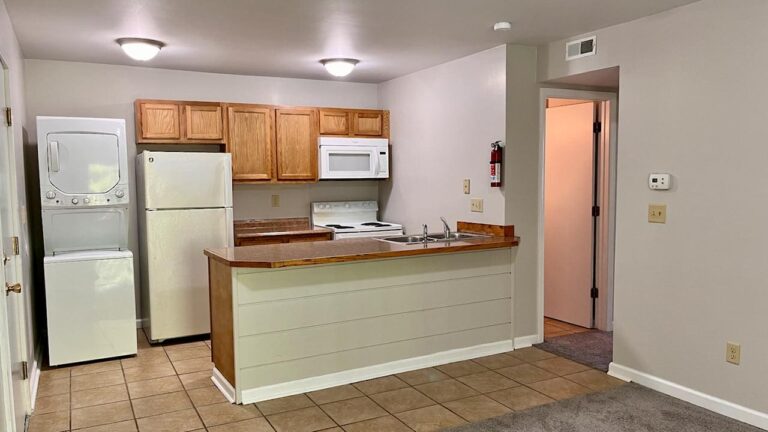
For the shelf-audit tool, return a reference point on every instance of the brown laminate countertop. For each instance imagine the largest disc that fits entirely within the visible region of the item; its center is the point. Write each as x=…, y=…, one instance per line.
x=276, y=227
x=345, y=250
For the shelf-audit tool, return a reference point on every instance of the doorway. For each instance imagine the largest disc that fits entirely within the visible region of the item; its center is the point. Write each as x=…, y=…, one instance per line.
x=576, y=224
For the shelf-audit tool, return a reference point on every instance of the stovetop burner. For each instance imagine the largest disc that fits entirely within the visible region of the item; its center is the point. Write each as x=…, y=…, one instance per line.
x=339, y=226
x=376, y=224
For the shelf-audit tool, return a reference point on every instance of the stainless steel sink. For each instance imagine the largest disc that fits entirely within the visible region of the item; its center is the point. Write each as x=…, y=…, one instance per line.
x=431, y=238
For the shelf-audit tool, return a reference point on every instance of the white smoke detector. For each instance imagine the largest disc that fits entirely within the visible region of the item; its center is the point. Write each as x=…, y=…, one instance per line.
x=502, y=26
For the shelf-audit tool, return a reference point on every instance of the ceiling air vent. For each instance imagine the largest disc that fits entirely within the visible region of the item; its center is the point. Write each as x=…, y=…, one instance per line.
x=580, y=48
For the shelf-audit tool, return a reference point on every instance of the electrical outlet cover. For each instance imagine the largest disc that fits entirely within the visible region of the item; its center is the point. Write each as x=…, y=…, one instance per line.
x=657, y=213
x=466, y=186
x=733, y=353
x=476, y=205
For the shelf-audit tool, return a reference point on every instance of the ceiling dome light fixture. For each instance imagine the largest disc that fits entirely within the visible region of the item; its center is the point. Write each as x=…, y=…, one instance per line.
x=139, y=48
x=339, y=66
x=502, y=26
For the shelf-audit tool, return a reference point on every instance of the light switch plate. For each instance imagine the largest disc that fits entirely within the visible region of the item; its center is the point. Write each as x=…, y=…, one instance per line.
x=275, y=200
x=466, y=186
x=476, y=205
x=657, y=213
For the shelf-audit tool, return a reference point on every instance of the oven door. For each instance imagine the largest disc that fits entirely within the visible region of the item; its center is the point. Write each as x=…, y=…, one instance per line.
x=348, y=162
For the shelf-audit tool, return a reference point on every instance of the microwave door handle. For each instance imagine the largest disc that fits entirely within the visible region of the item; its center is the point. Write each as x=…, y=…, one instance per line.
x=53, y=156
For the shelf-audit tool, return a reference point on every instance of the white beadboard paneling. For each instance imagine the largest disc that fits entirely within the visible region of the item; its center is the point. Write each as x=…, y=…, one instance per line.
x=296, y=282
x=280, y=315
x=436, y=348
x=325, y=339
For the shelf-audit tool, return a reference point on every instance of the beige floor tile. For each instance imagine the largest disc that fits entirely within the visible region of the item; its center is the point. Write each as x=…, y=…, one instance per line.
x=288, y=403
x=151, y=387
x=379, y=385
x=560, y=388
x=226, y=412
x=99, y=396
x=251, y=425
x=101, y=366
x=520, y=398
x=422, y=376
x=189, y=353
x=183, y=345
x=146, y=372
x=461, y=368
x=206, y=396
x=49, y=404
x=477, y=408
x=498, y=361
x=196, y=380
x=531, y=354
x=353, y=410
x=430, y=419
x=561, y=366
x=123, y=426
x=101, y=414
x=54, y=374
x=193, y=365
x=334, y=394
x=51, y=422
x=161, y=404
x=53, y=387
x=397, y=401
x=486, y=382
x=146, y=357
x=98, y=379
x=381, y=424
x=334, y=429
x=444, y=391
x=526, y=373
x=303, y=420
x=595, y=379
x=180, y=421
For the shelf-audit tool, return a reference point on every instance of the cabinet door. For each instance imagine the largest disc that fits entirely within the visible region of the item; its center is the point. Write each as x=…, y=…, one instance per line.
x=368, y=123
x=160, y=121
x=334, y=122
x=204, y=122
x=251, y=142
x=296, y=144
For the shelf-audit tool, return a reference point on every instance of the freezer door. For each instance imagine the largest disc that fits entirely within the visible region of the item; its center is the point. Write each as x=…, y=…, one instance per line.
x=177, y=269
x=83, y=163
x=177, y=180
x=90, y=306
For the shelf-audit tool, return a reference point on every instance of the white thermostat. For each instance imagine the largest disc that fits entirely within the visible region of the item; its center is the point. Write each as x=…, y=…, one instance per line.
x=659, y=181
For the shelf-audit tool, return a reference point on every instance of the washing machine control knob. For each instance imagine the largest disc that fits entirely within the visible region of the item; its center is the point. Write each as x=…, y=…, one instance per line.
x=50, y=194
x=86, y=201
x=75, y=201
x=119, y=193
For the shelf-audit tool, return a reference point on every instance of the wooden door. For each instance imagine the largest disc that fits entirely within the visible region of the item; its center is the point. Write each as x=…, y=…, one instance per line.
x=368, y=123
x=334, y=122
x=204, y=122
x=251, y=141
x=160, y=121
x=296, y=144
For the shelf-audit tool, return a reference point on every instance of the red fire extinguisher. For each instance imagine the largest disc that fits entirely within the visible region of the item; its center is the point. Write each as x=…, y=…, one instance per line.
x=496, y=164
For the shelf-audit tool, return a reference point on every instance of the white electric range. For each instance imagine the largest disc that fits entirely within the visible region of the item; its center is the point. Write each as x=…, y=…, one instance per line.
x=349, y=219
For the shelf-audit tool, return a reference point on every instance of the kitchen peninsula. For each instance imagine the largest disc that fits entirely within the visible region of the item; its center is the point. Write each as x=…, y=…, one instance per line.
x=296, y=317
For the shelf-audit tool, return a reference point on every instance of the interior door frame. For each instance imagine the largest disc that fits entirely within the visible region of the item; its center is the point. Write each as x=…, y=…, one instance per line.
x=604, y=313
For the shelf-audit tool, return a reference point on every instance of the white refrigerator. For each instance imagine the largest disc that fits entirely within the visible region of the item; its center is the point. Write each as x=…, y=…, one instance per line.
x=185, y=206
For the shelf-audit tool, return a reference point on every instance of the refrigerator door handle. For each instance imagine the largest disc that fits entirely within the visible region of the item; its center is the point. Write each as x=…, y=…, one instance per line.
x=53, y=156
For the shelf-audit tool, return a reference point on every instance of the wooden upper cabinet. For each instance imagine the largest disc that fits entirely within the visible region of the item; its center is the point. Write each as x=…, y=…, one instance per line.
x=368, y=123
x=296, y=137
x=250, y=140
x=204, y=122
x=179, y=122
x=159, y=121
x=334, y=122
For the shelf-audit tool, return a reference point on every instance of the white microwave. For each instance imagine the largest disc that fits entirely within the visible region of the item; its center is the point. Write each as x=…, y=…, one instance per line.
x=353, y=158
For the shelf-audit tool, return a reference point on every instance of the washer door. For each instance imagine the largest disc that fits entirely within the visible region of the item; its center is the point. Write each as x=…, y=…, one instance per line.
x=83, y=163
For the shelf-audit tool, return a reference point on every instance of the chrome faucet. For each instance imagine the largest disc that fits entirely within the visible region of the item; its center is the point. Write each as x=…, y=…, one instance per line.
x=446, y=228
x=426, y=232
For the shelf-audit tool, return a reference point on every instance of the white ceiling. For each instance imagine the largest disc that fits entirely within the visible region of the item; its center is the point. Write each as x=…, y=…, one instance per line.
x=288, y=37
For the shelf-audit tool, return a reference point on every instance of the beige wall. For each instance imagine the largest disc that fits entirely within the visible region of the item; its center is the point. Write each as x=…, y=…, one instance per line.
x=692, y=103
x=84, y=89
x=443, y=122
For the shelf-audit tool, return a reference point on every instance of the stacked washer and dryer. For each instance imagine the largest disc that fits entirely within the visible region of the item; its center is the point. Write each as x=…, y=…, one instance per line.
x=89, y=278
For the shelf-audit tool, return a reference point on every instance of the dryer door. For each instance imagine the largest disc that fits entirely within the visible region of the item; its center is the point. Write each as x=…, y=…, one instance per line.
x=83, y=163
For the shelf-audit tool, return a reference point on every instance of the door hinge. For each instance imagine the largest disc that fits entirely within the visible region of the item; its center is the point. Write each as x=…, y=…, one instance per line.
x=593, y=292
x=24, y=370
x=8, y=116
x=595, y=211
x=15, y=245
x=597, y=127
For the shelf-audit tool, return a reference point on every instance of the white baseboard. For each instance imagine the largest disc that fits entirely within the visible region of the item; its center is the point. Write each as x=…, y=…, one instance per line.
x=369, y=372
x=223, y=385
x=712, y=403
x=526, y=341
x=34, y=377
